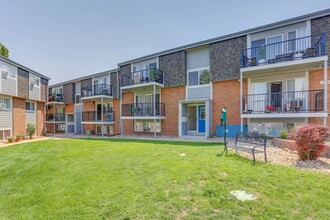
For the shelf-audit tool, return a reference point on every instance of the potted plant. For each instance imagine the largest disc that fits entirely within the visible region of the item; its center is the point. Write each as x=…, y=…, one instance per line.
x=32, y=129
x=253, y=61
x=19, y=137
x=261, y=53
x=11, y=139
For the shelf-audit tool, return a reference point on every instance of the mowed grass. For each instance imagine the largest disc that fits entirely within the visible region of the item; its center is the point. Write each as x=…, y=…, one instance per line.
x=131, y=179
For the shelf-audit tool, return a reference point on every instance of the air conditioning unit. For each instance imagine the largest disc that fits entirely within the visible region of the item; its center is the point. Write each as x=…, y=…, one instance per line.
x=4, y=73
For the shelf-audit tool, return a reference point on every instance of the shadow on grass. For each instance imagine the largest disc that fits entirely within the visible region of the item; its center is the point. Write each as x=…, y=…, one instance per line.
x=162, y=142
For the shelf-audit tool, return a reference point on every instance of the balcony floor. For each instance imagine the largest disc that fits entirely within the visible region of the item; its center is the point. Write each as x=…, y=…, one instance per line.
x=285, y=115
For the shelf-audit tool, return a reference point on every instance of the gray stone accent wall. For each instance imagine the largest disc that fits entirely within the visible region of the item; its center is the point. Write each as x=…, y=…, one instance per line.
x=225, y=58
x=69, y=93
x=174, y=67
x=320, y=26
x=113, y=80
x=125, y=74
x=85, y=83
x=44, y=87
x=23, y=83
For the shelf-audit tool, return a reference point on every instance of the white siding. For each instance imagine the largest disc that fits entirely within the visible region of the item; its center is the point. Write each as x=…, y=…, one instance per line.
x=6, y=116
x=34, y=91
x=78, y=88
x=9, y=82
x=199, y=92
x=198, y=58
x=31, y=117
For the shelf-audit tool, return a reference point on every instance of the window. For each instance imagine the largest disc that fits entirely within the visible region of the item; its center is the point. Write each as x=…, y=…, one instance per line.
x=78, y=99
x=98, y=129
x=292, y=41
x=198, y=77
x=30, y=106
x=34, y=81
x=4, y=104
x=202, y=113
x=146, y=125
x=7, y=70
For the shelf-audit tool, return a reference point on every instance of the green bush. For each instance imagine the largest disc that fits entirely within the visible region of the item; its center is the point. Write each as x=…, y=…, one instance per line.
x=284, y=134
x=32, y=129
x=11, y=139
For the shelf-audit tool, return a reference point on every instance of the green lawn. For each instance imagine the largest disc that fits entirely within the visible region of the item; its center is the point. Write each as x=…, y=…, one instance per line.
x=130, y=179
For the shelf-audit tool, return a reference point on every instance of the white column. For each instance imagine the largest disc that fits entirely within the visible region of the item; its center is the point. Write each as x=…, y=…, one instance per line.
x=154, y=106
x=325, y=90
x=102, y=116
x=207, y=119
x=180, y=119
x=120, y=109
x=241, y=98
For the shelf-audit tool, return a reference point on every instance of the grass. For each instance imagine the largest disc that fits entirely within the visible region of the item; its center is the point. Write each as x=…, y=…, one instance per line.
x=134, y=179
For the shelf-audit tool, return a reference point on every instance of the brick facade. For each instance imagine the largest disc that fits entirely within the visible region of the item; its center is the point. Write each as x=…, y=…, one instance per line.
x=43, y=90
x=170, y=126
x=116, y=109
x=23, y=83
x=225, y=58
x=125, y=74
x=320, y=26
x=113, y=80
x=227, y=94
x=128, y=125
x=174, y=67
x=85, y=83
x=19, y=117
x=69, y=91
x=40, y=119
x=69, y=108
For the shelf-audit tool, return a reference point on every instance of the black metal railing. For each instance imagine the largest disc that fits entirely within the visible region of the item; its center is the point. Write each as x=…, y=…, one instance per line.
x=298, y=48
x=55, y=97
x=55, y=117
x=143, y=109
x=97, y=116
x=284, y=102
x=143, y=76
x=95, y=90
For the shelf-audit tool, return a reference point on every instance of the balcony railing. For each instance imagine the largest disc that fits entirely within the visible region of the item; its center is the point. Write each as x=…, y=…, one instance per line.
x=284, y=102
x=298, y=48
x=55, y=117
x=96, y=90
x=55, y=97
x=143, y=76
x=97, y=116
x=143, y=109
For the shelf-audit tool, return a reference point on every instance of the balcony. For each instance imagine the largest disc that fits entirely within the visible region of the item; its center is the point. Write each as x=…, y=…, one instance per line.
x=308, y=101
x=289, y=50
x=143, y=110
x=55, y=97
x=55, y=117
x=97, y=116
x=96, y=90
x=143, y=77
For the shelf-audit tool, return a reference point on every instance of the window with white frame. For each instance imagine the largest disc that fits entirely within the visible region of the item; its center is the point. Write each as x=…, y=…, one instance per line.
x=7, y=70
x=35, y=81
x=5, y=104
x=78, y=99
x=30, y=106
x=146, y=126
x=199, y=77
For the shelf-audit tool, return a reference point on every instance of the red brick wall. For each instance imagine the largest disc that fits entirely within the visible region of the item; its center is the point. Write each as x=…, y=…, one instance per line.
x=116, y=109
x=128, y=125
x=40, y=118
x=69, y=108
x=19, y=117
x=227, y=93
x=315, y=76
x=171, y=96
x=88, y=106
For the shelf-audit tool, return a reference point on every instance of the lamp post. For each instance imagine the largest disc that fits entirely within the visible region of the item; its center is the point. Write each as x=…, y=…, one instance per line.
x=223, y=123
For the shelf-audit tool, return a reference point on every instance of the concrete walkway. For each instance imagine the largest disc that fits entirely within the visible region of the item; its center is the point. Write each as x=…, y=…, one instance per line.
x=40, y=138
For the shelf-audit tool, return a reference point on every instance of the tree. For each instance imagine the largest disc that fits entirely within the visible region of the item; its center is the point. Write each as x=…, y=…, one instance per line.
x=4, y=50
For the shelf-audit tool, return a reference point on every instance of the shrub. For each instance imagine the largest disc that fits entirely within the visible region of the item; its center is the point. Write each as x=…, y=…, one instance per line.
x=284, y=134
x=32, y=129
x=310, y=140
x=11, y=139
x=19, y=136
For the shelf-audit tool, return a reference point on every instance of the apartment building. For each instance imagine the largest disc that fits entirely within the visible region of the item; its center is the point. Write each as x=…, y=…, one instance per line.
x=87, y=105
x=23, y=94
x=269, y=78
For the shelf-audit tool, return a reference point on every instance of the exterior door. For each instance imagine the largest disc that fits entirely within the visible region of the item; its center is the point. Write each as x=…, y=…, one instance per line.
x=99, y=112
x=192, y=118
x=276, y=94
x=201, y=118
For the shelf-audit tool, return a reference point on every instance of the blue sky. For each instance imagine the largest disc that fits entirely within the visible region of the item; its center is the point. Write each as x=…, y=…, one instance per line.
x=66, y=39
